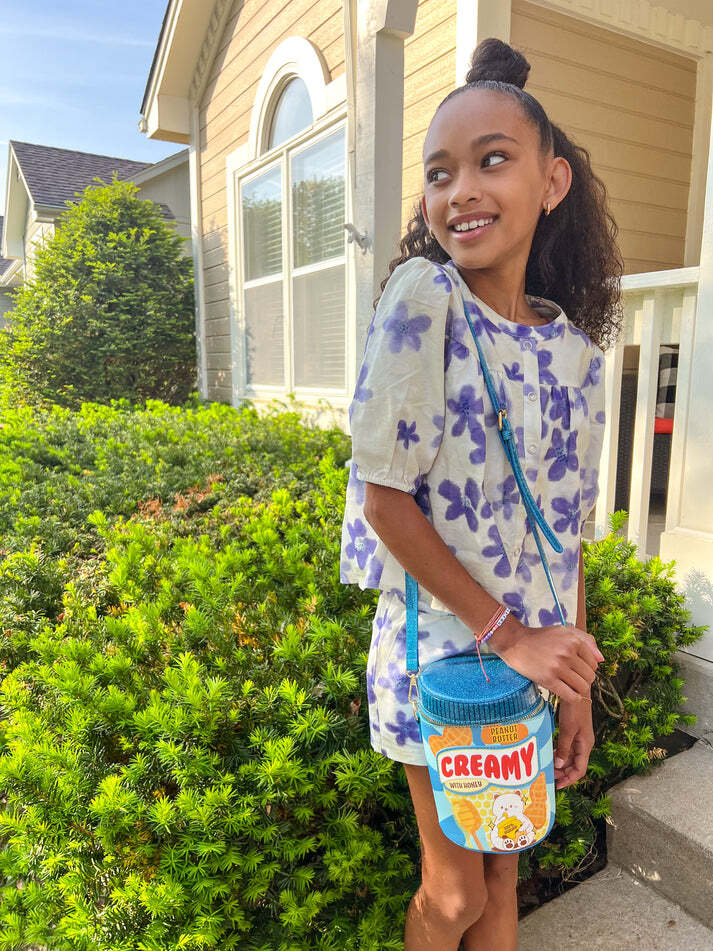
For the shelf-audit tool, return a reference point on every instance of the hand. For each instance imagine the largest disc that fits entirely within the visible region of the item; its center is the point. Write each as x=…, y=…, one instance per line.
x=563, y=659
x=574, y=742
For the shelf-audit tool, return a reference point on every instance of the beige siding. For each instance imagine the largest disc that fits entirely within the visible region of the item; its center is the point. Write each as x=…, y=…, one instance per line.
x=429, y=75
x=253, y=31
x=631, y=106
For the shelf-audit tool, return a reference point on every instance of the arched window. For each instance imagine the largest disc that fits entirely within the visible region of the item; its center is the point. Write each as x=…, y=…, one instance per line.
x=291, y=244
x=292, y=114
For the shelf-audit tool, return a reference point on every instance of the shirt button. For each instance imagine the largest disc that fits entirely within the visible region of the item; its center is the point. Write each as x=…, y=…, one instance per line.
x=531, y=395
x=532, y=448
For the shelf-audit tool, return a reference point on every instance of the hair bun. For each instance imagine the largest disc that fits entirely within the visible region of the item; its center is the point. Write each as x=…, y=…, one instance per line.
x=494, y=59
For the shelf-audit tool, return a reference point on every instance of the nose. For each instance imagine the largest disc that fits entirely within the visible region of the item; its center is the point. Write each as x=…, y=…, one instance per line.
x=466, y=187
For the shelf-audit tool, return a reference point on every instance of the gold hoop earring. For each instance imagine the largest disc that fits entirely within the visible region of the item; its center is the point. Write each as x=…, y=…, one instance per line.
x=548, y=209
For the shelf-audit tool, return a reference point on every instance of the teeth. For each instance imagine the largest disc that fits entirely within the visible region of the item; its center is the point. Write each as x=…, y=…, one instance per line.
x=470, y=225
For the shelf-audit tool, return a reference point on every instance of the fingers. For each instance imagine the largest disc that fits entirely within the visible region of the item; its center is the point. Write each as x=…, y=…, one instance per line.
x=574, y=765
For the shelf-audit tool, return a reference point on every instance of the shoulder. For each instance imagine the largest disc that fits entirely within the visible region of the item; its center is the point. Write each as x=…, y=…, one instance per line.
x=585, y=353
x=420, y=278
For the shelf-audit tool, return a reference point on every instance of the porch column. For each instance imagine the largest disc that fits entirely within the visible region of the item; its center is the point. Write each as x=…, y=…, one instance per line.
x=475, y=21
x=382, y=26
x=689, y=525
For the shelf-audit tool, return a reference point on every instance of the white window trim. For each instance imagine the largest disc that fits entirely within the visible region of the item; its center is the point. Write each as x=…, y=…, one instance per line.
x=295, y=56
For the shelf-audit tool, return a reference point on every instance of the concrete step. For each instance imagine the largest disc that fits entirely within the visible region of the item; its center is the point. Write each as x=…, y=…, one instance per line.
x=612, y=911
x=662, y=830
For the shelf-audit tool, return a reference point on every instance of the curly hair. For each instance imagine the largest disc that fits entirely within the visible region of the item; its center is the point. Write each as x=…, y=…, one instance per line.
x=574, y=259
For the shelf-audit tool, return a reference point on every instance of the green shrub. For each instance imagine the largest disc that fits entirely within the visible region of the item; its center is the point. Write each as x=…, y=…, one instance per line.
x=639, y=621
x=109, y=310
x=184, y=749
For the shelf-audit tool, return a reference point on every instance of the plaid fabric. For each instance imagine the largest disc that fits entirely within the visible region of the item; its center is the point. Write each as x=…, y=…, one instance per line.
x=668, y=367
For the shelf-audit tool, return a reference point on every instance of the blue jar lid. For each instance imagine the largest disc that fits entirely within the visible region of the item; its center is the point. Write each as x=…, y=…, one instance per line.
x=454, y=690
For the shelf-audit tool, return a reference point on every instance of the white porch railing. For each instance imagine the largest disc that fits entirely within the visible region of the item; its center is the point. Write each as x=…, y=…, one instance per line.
x=659, y=308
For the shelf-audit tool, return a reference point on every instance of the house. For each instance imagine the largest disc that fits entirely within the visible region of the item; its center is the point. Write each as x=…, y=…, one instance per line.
x=5, y=265
x=41, y=179
x=305, y=123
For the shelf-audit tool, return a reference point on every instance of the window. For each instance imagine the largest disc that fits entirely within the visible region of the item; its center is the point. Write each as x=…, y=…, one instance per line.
x=293, y=258
x=293, y=113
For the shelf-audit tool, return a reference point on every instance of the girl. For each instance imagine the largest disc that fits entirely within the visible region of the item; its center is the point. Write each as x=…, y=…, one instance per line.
x=509, y=202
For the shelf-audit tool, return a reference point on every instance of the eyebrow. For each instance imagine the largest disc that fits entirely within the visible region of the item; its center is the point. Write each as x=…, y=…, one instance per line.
x=481, y=140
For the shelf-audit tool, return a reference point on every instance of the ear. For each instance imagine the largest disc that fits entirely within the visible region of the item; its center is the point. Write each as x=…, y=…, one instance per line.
x=424, y=212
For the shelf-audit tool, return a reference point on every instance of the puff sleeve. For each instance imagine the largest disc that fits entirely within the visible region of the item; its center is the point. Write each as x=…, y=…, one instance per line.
x=397, y=414
x=593, y=391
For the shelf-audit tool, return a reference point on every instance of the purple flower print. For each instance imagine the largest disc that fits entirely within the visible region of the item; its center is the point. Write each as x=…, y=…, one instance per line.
x=550, y=330
x=360, y=546
x=466, y=409
x=487, y=509
x=396, y=682
x=513, y=372
x=404, y=330
x=516, y=603
x=442, y=278
x=551, y=617
x=600, y=416
x=456, y=329
x=422, y=497
x=509, y=498
x=370, y=694
x=568, y=565
x=564, y=454
x=580, y=400
x=407, y=434
x=481, y=323
x=356, y=484
x=439, y=422
x=490, y=417
x=544, y=358
x=405, y=728
x=399, y=648
x=590, y=487
x=592, y=377
x=527, y=560
x=461, y=504
x=381, y=624
x=361, y=393
x=497, y=550
x=374, y=571
x=559, y=405
x=569, y=510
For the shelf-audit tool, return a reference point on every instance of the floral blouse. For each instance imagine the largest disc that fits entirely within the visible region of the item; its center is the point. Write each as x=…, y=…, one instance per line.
x=421, y=421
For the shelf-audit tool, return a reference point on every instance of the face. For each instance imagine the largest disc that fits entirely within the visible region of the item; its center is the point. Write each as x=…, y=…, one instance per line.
x=482, y=161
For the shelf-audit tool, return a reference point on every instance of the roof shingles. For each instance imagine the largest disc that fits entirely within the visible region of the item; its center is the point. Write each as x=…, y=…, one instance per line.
x=55, y=176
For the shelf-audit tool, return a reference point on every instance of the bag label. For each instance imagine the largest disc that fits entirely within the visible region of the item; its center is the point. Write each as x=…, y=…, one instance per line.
x=469, y=769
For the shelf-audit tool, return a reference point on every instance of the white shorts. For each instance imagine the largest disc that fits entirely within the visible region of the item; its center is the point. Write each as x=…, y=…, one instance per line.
x=394, y=730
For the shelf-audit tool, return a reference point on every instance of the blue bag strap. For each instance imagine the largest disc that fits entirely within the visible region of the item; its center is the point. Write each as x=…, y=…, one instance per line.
x=507, y=437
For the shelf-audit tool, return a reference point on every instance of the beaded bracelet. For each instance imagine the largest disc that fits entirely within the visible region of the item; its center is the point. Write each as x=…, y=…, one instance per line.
x=490, y=628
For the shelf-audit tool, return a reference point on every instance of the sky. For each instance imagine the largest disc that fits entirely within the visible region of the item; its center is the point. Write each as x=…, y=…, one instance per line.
x=73, y=76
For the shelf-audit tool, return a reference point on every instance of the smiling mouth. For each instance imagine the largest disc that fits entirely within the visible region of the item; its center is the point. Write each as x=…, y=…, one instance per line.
x=471, y=228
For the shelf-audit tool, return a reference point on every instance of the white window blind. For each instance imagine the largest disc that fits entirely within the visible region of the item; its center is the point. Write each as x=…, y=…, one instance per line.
x=293, y=297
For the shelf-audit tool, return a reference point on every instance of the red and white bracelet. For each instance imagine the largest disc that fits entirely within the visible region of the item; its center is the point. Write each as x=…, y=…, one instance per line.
x=490, y=628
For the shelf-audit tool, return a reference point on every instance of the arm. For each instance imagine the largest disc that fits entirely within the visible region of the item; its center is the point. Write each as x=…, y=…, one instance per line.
x=561, y=659
x=416, y=545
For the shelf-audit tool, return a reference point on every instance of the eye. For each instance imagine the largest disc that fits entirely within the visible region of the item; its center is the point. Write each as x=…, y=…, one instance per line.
x=430, y=175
